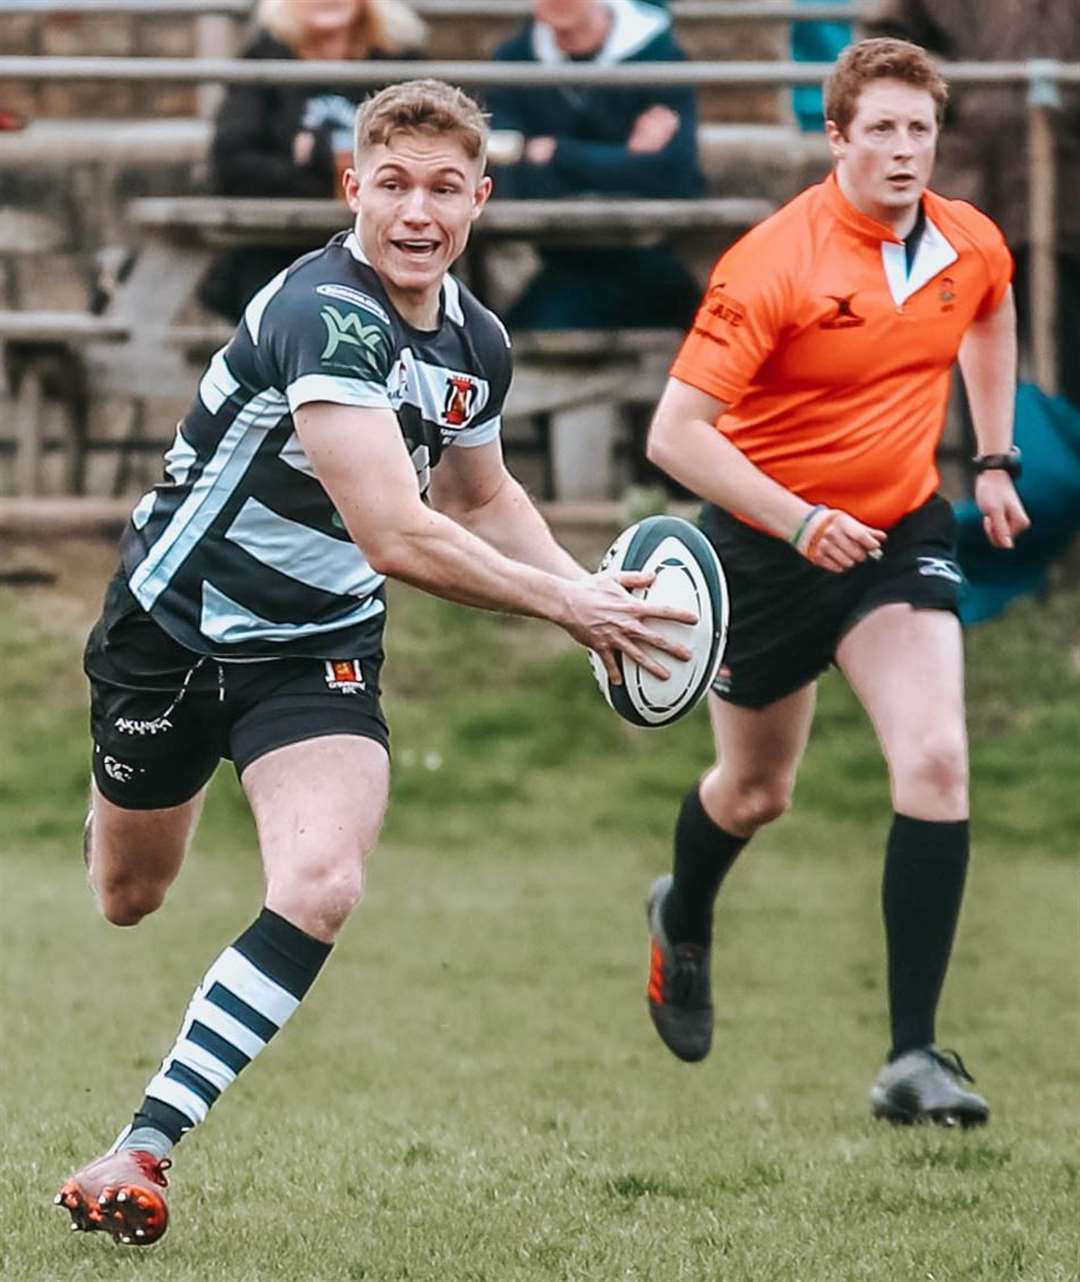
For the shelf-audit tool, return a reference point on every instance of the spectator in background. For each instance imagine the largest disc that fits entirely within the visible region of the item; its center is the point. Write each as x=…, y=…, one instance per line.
x=573, y=141
x=295, y=140
x=983, y=156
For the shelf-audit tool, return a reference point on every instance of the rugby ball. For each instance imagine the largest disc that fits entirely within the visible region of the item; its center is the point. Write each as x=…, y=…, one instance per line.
x=688, y=577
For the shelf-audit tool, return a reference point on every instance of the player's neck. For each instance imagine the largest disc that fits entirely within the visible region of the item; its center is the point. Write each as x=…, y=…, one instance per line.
x=418, y=308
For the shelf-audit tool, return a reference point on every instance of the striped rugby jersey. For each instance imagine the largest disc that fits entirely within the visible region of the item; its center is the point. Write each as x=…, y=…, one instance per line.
x=239, y=552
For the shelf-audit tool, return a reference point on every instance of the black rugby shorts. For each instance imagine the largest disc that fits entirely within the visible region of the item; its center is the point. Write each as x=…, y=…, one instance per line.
x=162, y=717
x=788, y=616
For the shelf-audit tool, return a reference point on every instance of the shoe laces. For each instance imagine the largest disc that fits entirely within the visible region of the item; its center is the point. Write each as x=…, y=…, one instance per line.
x=684, y=975
x=152, y=1167
x=951, y=1062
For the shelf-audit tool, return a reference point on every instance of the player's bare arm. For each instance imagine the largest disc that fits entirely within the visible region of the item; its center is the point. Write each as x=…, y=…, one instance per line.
x=685, y=443
x=360, y=458
x=473, y=488
x=988, y=364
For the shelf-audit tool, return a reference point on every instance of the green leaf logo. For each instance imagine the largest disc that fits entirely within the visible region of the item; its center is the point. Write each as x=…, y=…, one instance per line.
x=349, y=328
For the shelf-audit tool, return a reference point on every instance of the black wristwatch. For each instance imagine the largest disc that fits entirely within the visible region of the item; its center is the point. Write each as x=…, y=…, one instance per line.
x=1009, y=463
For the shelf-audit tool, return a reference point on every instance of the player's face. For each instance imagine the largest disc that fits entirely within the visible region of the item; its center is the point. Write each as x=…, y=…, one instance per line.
x=884, y=162
x=416, y=198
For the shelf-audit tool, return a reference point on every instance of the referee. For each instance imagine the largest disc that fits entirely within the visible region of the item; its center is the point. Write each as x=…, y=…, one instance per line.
x=805, y=408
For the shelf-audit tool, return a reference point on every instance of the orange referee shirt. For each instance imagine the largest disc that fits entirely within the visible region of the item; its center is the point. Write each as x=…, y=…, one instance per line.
x=834, y=360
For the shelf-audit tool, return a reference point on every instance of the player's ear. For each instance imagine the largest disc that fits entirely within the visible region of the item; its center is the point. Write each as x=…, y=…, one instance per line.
x=351, y=185
x=481, y=195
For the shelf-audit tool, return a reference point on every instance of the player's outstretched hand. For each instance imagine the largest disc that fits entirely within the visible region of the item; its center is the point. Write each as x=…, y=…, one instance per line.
x=836, y=541
x=1002, y=512
x=605, y=617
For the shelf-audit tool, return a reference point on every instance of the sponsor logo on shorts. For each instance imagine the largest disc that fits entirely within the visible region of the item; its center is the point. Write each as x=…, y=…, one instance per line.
x=131, y=725
x=120, y=771
x=345, y=675
x=356, y=296
x=845, y=316
x=937, y=567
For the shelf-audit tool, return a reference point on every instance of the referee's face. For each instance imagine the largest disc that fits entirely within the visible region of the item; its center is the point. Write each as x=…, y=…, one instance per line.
x=416, y=197
x=884, y=160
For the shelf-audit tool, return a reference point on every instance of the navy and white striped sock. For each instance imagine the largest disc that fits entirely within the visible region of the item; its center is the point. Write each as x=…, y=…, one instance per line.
x=244, y=998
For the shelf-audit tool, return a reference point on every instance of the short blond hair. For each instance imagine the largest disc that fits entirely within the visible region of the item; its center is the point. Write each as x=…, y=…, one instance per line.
x=421, y=106
x=880, y=58
x=386, y=26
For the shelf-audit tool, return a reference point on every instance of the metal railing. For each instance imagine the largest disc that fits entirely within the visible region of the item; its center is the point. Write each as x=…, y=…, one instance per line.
x=682, y=10
x=1043, y=79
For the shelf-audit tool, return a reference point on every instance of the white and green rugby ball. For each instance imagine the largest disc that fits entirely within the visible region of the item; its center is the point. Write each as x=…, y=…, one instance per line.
x=688, y=577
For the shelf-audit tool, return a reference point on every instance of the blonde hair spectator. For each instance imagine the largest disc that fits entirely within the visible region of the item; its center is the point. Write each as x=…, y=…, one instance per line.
x=387, y=26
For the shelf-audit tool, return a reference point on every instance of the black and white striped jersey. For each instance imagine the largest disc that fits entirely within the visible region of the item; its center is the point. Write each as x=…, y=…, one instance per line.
x=239, y=552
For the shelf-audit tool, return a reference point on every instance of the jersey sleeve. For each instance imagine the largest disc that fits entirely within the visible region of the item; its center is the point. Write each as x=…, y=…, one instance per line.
x=999, y=264
x=498, y=363
x=738, y=324
x=331, y=343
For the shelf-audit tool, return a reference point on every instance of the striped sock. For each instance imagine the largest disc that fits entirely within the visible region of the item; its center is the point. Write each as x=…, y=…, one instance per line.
x=244, y=998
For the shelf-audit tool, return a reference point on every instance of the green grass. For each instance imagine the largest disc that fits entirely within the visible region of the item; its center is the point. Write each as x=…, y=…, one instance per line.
x=474, y=1091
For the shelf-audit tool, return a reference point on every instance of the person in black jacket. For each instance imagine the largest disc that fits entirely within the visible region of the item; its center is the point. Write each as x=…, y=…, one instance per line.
x=612, y=142
x=286, y=140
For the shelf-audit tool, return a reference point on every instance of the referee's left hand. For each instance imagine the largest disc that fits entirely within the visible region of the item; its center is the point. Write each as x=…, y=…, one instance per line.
x=1002, y=512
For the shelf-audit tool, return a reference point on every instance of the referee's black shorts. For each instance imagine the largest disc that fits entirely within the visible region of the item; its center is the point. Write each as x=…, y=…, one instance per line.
x=788, y=616
x=162, y=717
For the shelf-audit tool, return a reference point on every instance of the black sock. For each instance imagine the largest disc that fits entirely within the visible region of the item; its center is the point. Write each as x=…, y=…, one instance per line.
x=925, y=866
x=704, y=853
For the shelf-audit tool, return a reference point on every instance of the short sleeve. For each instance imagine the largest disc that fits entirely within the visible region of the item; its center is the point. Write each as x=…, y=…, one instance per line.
x=738, y=324
x=999, y=263
x=498, y=363
x=331, y=343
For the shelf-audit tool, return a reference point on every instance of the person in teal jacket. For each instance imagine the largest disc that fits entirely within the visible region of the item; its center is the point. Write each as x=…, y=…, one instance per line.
x=579, y=140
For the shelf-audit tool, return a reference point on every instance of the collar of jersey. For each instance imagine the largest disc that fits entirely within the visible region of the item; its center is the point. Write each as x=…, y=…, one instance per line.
x=854, y=220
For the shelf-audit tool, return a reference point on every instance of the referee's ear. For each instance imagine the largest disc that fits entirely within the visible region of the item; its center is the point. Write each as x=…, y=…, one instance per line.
x=837, y=139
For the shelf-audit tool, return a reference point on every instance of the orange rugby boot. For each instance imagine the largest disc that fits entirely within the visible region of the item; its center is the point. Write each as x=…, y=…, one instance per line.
x=122, y=1193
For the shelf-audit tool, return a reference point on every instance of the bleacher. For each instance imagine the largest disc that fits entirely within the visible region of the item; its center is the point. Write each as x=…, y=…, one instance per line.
x=92, y=146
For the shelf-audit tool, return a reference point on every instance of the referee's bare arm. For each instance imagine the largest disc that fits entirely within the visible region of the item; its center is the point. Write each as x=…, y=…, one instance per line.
x=988, y=364
x=360, y=458
x=685, y=443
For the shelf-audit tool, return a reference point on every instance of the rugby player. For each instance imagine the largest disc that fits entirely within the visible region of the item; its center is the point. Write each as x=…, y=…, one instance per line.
x=246, y=619
x=805, y=407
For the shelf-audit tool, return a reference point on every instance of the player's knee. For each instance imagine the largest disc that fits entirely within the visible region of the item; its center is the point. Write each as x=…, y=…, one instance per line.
x=125, y=901
x=321, y=896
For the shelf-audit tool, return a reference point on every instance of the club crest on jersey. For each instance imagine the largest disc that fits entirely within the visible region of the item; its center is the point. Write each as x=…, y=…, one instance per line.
x=460, y=396
x=947, y=293
x=845, y=316
x=345, y=675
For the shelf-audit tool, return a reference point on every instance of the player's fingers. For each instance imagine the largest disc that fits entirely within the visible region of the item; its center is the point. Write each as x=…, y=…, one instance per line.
x=1018, y=518
x=642, y=657
x=658, y=642
x=607, y=658
x=633, y=579
x=644, y=610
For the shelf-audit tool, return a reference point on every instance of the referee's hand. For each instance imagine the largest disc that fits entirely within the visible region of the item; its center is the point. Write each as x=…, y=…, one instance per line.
x=1002, y=512
x=835, y=540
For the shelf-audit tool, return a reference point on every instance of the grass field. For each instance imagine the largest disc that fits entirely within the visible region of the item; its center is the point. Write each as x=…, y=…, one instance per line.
x=474, y=1091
